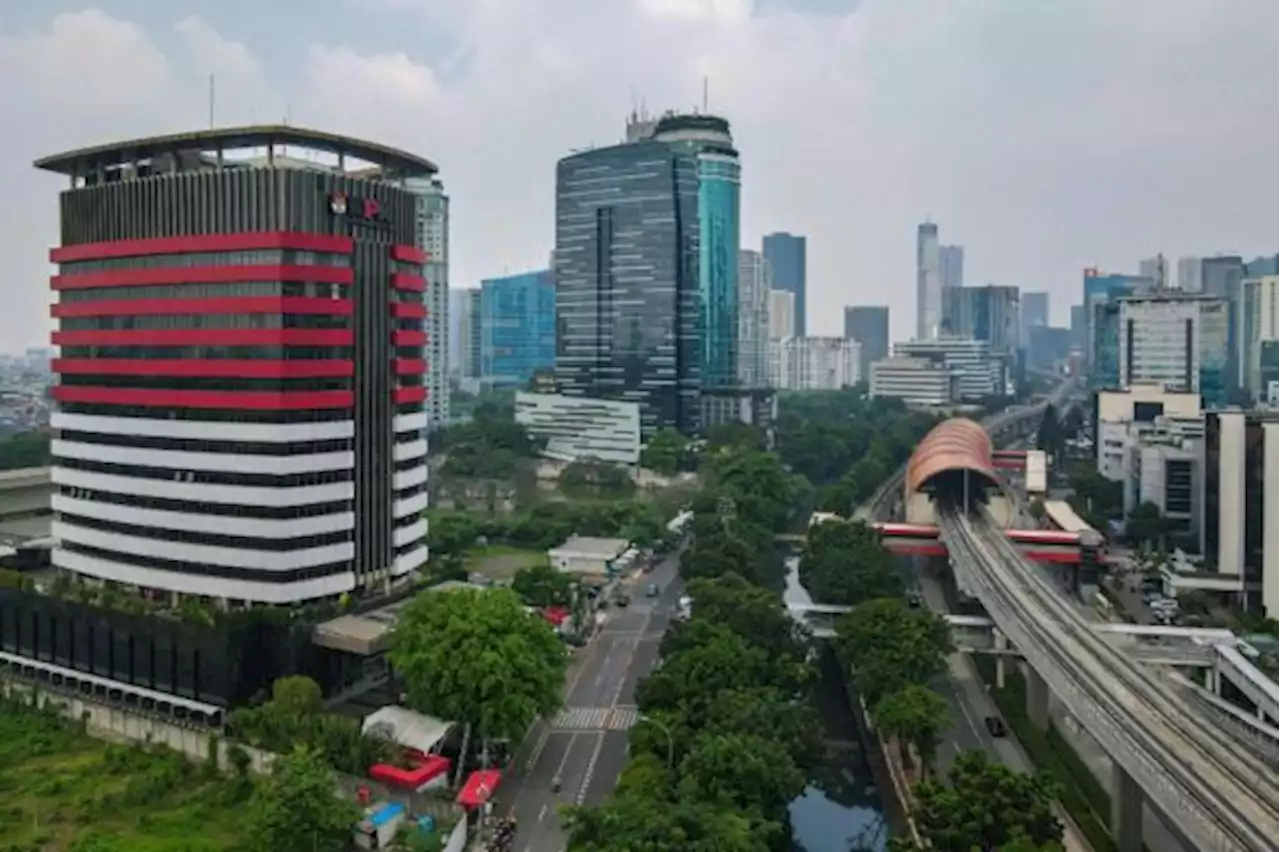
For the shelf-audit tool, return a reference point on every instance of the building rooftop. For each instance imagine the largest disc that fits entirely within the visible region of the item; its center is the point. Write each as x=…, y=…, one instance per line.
x=589, y=546
x=223, y=139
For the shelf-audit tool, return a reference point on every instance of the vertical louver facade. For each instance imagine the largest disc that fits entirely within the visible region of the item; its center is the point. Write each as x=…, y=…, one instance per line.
x=240, y=397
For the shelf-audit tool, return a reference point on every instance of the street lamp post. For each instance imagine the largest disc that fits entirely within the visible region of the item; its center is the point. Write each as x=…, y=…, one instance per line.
x=671, y=741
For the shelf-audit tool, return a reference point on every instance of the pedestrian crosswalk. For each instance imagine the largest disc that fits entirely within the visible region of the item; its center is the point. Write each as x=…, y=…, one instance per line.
x=595, y=719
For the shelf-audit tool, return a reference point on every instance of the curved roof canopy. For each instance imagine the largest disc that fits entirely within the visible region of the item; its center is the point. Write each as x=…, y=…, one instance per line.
x=232, y=138
x=953, y=445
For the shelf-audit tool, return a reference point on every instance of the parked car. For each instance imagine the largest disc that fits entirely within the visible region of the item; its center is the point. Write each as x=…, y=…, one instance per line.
x=652, y=591
x=914, y=600
x=995, y=726
x=622, y=600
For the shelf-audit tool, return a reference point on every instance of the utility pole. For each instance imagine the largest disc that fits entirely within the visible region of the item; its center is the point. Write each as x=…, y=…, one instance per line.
x=211, y=101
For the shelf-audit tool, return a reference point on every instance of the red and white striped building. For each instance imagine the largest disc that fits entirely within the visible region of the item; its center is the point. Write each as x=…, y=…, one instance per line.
x=240, y=397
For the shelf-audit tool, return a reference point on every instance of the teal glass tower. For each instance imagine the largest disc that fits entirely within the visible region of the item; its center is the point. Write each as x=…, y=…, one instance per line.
x=719, y=191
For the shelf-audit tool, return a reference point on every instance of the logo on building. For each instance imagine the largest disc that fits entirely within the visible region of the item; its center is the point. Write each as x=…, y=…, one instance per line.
x=363, y=211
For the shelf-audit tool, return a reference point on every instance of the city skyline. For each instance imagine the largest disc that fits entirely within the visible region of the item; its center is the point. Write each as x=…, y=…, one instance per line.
x=1030, y=203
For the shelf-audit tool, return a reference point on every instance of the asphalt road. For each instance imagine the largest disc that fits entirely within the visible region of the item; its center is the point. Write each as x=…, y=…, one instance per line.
x=585, y=745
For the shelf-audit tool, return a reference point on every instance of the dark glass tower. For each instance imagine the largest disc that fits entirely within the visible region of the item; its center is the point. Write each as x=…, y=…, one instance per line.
x=626, y=272
x=786, y=256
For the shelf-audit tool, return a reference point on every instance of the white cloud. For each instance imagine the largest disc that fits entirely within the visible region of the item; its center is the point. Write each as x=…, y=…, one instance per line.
x=210, y=53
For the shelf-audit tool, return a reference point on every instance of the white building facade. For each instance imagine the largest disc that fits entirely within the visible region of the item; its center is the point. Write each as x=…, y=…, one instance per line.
x=754, y=285
x=782, y=314
x=1123, y=415
x=1257, y=323
x=928, y=282
x=813, y=363
x=1177, y=341
x=433, y=238
x=916, y=381
x=978, y=372
x=576, y=427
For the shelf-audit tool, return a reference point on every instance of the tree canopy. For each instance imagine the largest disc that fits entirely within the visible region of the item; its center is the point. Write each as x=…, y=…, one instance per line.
x=478, y=657
x=890, y=646
x=986, y=805
x=488, y=447
x=667, y=452
x=296, y=808
x=914, y=716
x=844, y=563
x=26, y=449
x=542, y=585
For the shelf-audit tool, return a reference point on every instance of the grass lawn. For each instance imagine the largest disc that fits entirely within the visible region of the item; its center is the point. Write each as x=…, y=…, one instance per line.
x=500, y=562
x=62, y=791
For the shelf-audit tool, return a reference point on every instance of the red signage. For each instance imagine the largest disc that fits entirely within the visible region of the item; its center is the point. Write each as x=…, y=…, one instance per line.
x=367, y=210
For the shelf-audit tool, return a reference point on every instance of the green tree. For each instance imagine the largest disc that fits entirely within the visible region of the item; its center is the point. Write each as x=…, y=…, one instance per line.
x=1147, y=525
x=689, y=681
x=890, y=646
x=297, y=697
x=26, y=449
x=737, y=436
x=844, y=563
x=984, y=805
x=542, y=585
x=1037, y=509
x=642, y=824
x=914, y=715
x=478, y=658
x=1050, y=437
x=296, y=808
x=451, y=533
x=754, y=613
x=742, y=772
x=664, y=453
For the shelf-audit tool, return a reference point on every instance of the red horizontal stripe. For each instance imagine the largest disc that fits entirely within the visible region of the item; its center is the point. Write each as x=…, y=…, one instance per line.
x=251, y=400
x=407, y=395
x=410, y=366
x=408, y=254
x=207, y=367
x=204, y=243
x=236, y=305
x=208, y=337
x=203, y=275
x=406, y=281
x=408, y=338
x=408, y=310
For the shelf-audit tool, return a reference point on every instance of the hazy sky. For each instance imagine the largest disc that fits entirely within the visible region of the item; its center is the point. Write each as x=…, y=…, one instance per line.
x=1042, y=135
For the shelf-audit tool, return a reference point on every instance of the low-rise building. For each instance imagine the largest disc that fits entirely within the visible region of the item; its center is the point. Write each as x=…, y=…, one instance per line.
x=979, y=372
x=575, y=427
x=587, y=556
x=1139, y=407
x=813, y=363
x=915, y=381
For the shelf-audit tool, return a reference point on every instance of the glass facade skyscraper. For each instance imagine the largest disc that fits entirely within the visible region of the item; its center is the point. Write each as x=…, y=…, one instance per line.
x=517, y=327
x=786, y=254
x=719, y=181
x=627, y=297
x=1102, y=315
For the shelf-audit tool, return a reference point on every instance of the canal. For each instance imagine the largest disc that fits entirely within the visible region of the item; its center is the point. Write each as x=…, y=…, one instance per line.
x=841, y=809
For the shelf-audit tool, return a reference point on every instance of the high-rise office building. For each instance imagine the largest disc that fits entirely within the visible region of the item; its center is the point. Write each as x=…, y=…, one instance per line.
x=626, y=280
x=1261, y=267
x=1257, y=325
x=1101, y=290
x=241, y=382
x=951, y=266
x=754, y=286
x=517, y=328
x=929, y=306
x=786, y=254
x=1175, y=340
x=988, y=313
x=709, y=139
x=1223, y=276
x=869, y=325
x=1189, y=278
x=813, y=363
x=782, y=314
x=1157, y=269
x=469, y=309
x=433, y=238
x=1034, y=308
x=1079, y=327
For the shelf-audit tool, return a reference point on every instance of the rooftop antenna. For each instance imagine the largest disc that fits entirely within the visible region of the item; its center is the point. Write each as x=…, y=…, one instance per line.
x=704, y=94
x=210, y=101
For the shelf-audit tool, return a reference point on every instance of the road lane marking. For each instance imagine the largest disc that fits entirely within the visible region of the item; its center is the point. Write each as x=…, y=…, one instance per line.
x=542, y=814
x=538, y=749
x=564, y=760
x=591, y=769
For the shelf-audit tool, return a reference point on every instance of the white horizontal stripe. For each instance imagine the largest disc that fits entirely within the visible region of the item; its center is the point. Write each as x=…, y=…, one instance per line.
x=200, y=584
x=277, y=433
x=410, y=561
x=409, y=478
x=410, y=505
x=408, y=422
x=204, y=554
x=199, y=492
x=201, y=523
x=223, y=462
x=413, y=532
x=411, y=450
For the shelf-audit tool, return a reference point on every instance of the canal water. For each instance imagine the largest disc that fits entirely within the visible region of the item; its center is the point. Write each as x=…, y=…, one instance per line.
x=840, y=810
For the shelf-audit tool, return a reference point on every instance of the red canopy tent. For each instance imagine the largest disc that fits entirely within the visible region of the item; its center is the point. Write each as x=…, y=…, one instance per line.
x=479, y=788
